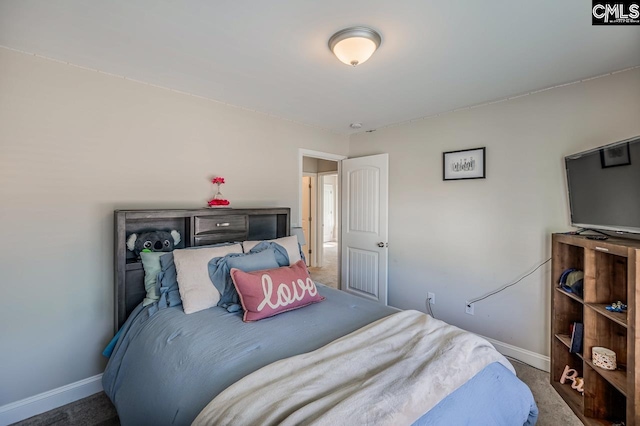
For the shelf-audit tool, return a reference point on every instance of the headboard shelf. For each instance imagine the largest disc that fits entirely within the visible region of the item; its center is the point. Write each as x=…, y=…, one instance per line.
x=197, y=227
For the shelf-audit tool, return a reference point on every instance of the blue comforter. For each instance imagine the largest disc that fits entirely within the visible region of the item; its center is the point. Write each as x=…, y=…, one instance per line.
x=168, y=366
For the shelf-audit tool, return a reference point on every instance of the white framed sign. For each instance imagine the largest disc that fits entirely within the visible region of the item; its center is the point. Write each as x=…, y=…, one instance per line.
x=464, y=164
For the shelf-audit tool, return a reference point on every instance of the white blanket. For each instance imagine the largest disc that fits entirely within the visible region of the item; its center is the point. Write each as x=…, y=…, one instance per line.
x=389, y=372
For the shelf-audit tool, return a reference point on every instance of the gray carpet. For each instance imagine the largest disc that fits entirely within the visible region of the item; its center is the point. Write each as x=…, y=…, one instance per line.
x=97, y=410
x=552, y=409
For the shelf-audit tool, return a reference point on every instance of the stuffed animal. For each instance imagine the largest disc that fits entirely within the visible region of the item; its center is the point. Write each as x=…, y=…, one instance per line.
x=153, y=241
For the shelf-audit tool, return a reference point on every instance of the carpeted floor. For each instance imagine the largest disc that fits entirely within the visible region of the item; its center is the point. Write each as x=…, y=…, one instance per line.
x=97, y=410
x=328, y=274
x=552, y=409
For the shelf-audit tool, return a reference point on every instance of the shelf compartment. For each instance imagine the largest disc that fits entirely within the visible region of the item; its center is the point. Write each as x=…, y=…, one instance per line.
x=567, y=311
x=565, y=339
x=601, y=331
x=618, y=317
x=575, y=401
x=564, y=358
x=617, y=378
x=610, y=279
x=568, y=255
x=570, y=295
x=602, y=401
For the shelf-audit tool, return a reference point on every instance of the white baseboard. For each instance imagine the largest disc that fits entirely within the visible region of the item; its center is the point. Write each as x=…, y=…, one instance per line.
x=533, y=359
x=28, y=407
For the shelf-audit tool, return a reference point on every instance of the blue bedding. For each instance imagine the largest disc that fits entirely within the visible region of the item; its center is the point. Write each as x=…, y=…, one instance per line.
x=166, y=367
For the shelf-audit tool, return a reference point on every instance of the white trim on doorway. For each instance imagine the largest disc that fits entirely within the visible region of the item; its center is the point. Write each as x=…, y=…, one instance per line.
x=313, y=154
x=313, y=213
x=324, y=156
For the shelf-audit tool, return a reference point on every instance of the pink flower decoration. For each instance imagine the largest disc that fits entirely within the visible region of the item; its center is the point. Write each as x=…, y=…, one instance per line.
x=218, y=180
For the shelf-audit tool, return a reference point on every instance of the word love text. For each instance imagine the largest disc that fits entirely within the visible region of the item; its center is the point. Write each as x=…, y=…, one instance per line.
x=285, y=295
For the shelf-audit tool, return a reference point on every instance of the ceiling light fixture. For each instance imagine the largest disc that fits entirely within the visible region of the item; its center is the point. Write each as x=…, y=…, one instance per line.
x=354, y=45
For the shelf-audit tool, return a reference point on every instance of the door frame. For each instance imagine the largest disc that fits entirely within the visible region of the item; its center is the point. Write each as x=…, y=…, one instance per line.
x=331, y=157
x=313, y=212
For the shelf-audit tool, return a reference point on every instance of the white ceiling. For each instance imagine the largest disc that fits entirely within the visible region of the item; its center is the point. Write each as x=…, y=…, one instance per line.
x=272, y=56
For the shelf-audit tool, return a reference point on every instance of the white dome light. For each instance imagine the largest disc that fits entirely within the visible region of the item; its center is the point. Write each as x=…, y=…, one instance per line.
x=353, y=46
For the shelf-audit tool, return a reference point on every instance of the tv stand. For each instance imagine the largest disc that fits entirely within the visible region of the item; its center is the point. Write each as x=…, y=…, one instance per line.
x=581, y=230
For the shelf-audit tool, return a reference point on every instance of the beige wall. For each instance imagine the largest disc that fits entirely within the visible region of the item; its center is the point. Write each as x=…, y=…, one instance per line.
x=75, y=145
x=318, y=165
x=461, y=239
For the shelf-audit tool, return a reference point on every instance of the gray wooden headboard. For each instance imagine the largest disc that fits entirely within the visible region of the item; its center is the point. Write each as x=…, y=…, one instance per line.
x=197, y=227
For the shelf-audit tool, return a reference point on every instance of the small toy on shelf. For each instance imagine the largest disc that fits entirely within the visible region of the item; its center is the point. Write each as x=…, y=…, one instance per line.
x=617, y=307
x=149, y=241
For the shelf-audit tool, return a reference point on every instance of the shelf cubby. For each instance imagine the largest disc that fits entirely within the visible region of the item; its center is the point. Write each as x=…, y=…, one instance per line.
x=602, y=400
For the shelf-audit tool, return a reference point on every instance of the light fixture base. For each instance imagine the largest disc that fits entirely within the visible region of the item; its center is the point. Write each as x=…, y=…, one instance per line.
x=355, y=57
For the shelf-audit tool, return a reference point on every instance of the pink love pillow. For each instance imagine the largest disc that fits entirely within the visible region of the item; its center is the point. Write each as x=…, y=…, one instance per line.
x=269, y=292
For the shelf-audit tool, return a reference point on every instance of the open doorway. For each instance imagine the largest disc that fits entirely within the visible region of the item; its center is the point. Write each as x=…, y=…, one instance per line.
x=320, y=219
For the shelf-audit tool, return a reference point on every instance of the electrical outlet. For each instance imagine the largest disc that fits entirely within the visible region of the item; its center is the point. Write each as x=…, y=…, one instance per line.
x=431, y=297
x=468, y=308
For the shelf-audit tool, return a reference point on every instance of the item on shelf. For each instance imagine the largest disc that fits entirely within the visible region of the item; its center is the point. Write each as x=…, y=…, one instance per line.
x=218, y=199
x=568, y=374
x=150, y=241
x=617, y=307
x=604, y=358
x=572, y=375
x=576, y=337
x=578, y=384
x=571, y=281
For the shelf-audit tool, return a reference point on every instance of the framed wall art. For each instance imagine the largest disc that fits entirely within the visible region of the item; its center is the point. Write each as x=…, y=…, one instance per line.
x=464, y=164
x=615, y=156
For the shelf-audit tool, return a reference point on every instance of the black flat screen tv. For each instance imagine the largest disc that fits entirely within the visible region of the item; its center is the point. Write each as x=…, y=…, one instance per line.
x=604, y=187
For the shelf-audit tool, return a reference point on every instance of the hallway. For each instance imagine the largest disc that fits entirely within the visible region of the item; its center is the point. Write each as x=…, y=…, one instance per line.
x=328, y=274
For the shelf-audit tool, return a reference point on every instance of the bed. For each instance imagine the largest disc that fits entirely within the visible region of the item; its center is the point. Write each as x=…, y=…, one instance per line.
x=327, y=363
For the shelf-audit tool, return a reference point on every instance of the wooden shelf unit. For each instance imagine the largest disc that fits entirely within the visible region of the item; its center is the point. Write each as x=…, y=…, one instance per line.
x=611, y=272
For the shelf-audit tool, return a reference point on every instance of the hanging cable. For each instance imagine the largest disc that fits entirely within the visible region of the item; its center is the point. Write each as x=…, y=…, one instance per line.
x=477, y=299
x=429, y=309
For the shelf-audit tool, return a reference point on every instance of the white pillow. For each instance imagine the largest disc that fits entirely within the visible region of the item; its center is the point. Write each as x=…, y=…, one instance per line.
x=196, y=289
x=290, y=244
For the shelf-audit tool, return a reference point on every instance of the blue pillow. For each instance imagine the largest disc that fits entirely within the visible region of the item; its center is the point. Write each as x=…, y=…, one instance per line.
x=220, y=268
x=250, y=262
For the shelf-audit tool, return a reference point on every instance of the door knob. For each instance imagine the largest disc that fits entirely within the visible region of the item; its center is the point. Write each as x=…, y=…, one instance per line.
x=380, y=244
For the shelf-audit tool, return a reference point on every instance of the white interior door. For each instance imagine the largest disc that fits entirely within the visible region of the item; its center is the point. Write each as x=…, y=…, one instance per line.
x=365, y=211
